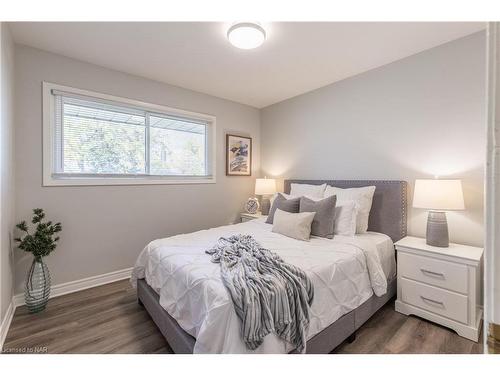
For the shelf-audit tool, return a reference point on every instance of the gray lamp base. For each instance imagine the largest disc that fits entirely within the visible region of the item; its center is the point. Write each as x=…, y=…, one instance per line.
x=437, y=229
x=265, y=205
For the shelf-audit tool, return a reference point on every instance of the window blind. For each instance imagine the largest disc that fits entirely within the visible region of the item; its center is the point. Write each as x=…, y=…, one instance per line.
x=102, y=138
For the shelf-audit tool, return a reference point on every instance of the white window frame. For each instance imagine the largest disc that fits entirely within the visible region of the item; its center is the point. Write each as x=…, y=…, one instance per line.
x=50, y=178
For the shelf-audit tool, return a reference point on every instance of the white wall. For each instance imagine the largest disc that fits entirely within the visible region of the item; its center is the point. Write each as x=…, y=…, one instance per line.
x=105, y=227
x=6, y=168
x=492, y=251
x=415, y=118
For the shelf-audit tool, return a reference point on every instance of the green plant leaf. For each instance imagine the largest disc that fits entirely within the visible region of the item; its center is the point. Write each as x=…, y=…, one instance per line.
x=42, y=242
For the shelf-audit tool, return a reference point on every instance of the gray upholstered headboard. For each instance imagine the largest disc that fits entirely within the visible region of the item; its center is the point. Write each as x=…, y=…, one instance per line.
x=388, y=213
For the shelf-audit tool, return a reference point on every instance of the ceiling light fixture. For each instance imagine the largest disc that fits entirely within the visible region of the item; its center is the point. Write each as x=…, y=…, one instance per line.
x=246, y=35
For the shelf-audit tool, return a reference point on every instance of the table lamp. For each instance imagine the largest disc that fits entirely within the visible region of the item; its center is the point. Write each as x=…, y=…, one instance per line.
x=438, y=196
x=265, y=187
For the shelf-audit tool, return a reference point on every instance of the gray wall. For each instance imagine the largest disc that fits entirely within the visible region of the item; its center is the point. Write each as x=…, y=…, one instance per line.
x=105, y=227
x=6, y=167
x=415, y=118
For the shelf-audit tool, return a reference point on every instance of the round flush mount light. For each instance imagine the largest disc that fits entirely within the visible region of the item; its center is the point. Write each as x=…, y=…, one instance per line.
x=246, y=35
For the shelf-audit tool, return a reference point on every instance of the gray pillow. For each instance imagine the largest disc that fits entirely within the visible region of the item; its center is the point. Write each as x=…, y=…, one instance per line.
x=324, y=220
x=288, y=205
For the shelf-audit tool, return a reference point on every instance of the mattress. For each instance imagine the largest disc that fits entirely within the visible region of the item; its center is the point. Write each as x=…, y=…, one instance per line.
x=345, y=271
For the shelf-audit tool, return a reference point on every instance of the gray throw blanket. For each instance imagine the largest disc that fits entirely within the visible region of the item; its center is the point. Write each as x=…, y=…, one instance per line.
x=269, y=295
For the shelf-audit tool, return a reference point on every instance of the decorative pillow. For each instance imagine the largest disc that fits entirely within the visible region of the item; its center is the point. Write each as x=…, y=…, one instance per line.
x=295, y=225
x=362, y=198
x=289, y=196
x=288, y=205
x=312, y=191
x=324, y=220
x=345, y=219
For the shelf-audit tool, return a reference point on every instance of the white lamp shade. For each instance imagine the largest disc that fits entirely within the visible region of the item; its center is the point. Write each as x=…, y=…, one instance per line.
x=438, y=195
x=265, y=186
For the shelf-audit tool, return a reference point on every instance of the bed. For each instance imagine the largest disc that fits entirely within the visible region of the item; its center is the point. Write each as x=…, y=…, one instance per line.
x=353, y=277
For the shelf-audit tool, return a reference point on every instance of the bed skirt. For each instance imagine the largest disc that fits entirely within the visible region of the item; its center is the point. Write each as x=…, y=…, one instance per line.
x=322, y=343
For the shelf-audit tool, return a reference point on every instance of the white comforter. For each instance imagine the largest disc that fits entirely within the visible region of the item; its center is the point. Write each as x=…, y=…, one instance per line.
x=345, y=272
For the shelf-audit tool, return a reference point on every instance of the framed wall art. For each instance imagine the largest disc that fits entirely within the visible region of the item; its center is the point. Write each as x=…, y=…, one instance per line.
x=238, y=155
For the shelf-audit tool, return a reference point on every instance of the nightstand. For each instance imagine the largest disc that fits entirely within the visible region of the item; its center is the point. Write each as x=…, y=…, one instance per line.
x=441, y=284
x=245, y=216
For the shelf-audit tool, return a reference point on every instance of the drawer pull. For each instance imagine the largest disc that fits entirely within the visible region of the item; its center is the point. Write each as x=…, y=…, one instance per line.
x=425, y=299
x=432, y=273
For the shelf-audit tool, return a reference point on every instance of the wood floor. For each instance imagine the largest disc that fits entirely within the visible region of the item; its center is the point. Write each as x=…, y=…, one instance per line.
x=107, y=319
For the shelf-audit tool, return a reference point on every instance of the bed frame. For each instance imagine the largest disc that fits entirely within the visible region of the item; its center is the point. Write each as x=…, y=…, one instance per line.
x=388, y=215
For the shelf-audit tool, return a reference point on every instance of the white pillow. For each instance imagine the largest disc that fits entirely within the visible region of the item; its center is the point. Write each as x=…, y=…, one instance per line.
x=293, y=225
x=312, y=191
x=345, y=219
x=362, y=198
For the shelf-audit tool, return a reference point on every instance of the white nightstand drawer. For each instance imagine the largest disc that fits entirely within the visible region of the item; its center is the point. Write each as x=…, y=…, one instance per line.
x=436, y=300
x=441, y=273
x=442, y=284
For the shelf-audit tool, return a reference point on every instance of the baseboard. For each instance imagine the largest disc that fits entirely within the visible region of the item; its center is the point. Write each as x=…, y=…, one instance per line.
x=5, y=324
x=82, y=284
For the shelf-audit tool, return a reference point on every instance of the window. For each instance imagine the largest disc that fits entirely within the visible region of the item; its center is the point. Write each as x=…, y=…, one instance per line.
x=96, y=139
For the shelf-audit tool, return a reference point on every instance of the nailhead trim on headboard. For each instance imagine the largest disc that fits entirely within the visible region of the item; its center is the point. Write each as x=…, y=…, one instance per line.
x=404, y=204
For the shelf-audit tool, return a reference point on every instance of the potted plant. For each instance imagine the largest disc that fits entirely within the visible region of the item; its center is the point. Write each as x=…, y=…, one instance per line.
x=41, y=243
